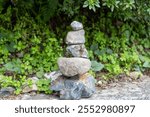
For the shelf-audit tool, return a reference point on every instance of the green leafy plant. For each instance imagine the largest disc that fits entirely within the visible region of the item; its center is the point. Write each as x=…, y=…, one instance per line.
x=92, y=4
x=43, y=86
x=145, y=60
x=14, y=66
x=111, y=4
x=8, y=81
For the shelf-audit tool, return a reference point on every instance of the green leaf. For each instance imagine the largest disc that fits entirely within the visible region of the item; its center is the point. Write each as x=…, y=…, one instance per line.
x=40, y=73
x=10, y=47
x=94, y=9
x=112, y=8
x=109, y=51
x=144, y=58
x=94, y=47
x=146, y=64
x=13, y=66
x=97, y=52
x=90, y=7
x=97, y=5
x=96, y=66
x=85, y=4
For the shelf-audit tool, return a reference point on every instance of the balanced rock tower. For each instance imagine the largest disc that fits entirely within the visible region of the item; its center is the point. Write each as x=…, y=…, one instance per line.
x=73, y=80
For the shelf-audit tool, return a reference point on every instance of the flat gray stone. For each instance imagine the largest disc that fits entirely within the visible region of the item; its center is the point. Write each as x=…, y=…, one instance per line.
x=73, y=66
x=27, y=88
x=75, y=25
x=75, y=37
x=8, y=89
x=77, y=51
x=4, y=92
x=53, y=75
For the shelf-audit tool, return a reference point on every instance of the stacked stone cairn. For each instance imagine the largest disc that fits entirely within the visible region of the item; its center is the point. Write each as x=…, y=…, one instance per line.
x=73, y=81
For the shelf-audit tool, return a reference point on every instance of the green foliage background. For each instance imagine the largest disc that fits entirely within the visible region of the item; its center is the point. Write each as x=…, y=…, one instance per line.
x=32, y=36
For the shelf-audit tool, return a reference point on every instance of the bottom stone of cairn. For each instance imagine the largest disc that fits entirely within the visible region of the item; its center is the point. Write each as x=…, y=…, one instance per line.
x=75, y=88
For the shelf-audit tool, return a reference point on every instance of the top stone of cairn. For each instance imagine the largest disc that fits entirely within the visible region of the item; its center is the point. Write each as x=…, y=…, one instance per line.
x=75, y=25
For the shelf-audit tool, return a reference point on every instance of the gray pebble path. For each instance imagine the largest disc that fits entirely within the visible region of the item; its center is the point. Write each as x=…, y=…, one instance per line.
x=125, y=91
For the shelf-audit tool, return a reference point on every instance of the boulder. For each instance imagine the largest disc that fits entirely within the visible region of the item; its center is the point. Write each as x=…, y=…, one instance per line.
x=77, y=51
x=75, y=25
x=75, y=37
x=73, y=66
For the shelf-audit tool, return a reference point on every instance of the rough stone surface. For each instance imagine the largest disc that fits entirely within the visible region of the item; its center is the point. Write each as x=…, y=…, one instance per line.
x=58, y=84
x=4, y=92
x=75, y=25
x=72, y=91
x=77, y=51
x=75, y=37
x=89, y=85
x=53, y=75
x=34, y=87
x=74, y=88
x=73, y=66
x=135, y=75
x=27, y=89
x=57, y=80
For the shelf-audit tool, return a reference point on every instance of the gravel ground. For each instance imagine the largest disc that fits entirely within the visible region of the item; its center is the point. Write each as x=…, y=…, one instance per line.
x=125, y=90
x=136, y=90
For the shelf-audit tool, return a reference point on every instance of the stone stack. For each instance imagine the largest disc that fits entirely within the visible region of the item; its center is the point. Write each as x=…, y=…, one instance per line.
x=74, y=81
x=75, y=41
